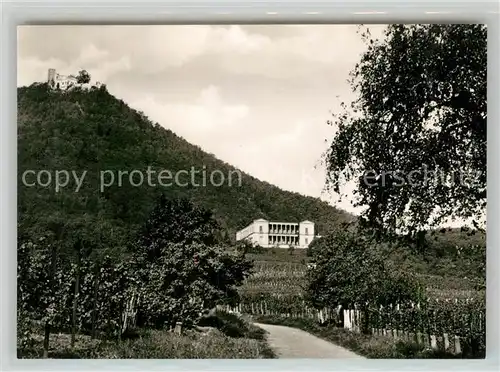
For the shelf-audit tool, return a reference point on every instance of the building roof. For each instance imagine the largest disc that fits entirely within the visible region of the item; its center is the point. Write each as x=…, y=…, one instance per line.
x=296, y=223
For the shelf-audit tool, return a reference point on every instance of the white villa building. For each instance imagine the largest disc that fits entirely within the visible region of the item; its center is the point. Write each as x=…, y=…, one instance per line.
x=270, y=234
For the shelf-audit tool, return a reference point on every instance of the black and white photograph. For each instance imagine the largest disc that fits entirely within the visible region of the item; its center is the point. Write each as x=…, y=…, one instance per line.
x=251, y=191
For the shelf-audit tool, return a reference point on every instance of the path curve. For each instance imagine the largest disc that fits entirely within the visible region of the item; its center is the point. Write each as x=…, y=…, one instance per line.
x=288, y=342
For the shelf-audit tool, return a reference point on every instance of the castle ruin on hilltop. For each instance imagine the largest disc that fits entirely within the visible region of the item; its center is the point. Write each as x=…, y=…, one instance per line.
x=66, y=82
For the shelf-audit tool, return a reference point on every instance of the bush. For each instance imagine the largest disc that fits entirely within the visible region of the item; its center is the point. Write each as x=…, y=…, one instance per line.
x=182, y=270
x=232, y=325
x=346, y=272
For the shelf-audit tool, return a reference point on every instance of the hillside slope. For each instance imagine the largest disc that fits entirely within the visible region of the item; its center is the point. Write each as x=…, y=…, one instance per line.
x=94, y=131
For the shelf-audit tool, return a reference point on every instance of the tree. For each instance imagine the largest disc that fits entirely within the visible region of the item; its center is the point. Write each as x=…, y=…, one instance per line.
x=83, y=77
x=177, y=221
x=188, y=279
x=89, y=238
x=182, y=270
x=317, y=242
x=420, y=108
x=344, y=271
x=43, y=288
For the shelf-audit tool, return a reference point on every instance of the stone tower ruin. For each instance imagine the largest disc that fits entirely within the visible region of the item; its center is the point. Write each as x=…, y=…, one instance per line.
x=51, y=76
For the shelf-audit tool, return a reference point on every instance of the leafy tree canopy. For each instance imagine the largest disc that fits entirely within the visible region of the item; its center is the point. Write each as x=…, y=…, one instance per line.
x=177, y=221
x=183, y=271
x=186, y=280
x=345, y=271
x=83, y=77
x=421, y=104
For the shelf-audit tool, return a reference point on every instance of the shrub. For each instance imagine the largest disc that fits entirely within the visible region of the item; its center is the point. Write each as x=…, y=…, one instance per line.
x=182, y=271
x=232, y=325
x=346, y=272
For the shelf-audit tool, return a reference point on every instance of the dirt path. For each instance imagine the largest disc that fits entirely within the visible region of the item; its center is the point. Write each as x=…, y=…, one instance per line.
x=290, y=342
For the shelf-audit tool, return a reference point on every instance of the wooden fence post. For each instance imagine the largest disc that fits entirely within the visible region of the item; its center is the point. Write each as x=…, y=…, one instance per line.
x=178, y=328
x=446, y=342
x=458, y=349
x=433, y=342
x=353, y=320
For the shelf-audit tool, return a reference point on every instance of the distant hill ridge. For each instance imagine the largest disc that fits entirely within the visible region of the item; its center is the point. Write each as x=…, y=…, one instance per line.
x=94, y=131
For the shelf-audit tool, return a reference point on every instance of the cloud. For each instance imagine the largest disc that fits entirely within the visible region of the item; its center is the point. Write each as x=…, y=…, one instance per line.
x=295, y=56
x=280, y=155
x=30, y=70
x=242, y=50
x=208, y=120
x=158, y=48
x=98, y=62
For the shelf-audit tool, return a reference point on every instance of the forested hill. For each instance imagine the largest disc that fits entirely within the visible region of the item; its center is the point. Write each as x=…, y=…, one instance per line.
x=93, y=131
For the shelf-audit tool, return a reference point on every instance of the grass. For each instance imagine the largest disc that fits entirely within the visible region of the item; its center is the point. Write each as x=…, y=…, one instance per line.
x=212, y=344
x=232, y=325
x=370, y=346
x=223, y=336
x=279, y=255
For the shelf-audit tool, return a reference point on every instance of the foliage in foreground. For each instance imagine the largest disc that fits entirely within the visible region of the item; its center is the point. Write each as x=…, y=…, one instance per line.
x=171, y=276
x=46, y=292
x=188, y=280
x=233, y=325
x=420, y=108
x=207, y=343
x=182, y=271
x=211, y=345
x=346, y=272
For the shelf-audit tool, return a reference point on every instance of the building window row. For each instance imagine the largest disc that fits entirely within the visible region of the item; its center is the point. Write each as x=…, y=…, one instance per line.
x=278, y=228
x=279, y=239
x=283, y=229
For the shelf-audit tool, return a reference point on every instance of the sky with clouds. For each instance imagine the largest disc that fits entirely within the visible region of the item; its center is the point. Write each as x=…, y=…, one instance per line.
x=257, y=96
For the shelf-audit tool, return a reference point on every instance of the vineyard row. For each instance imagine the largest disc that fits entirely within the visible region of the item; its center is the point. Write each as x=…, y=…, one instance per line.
x=448, y=325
